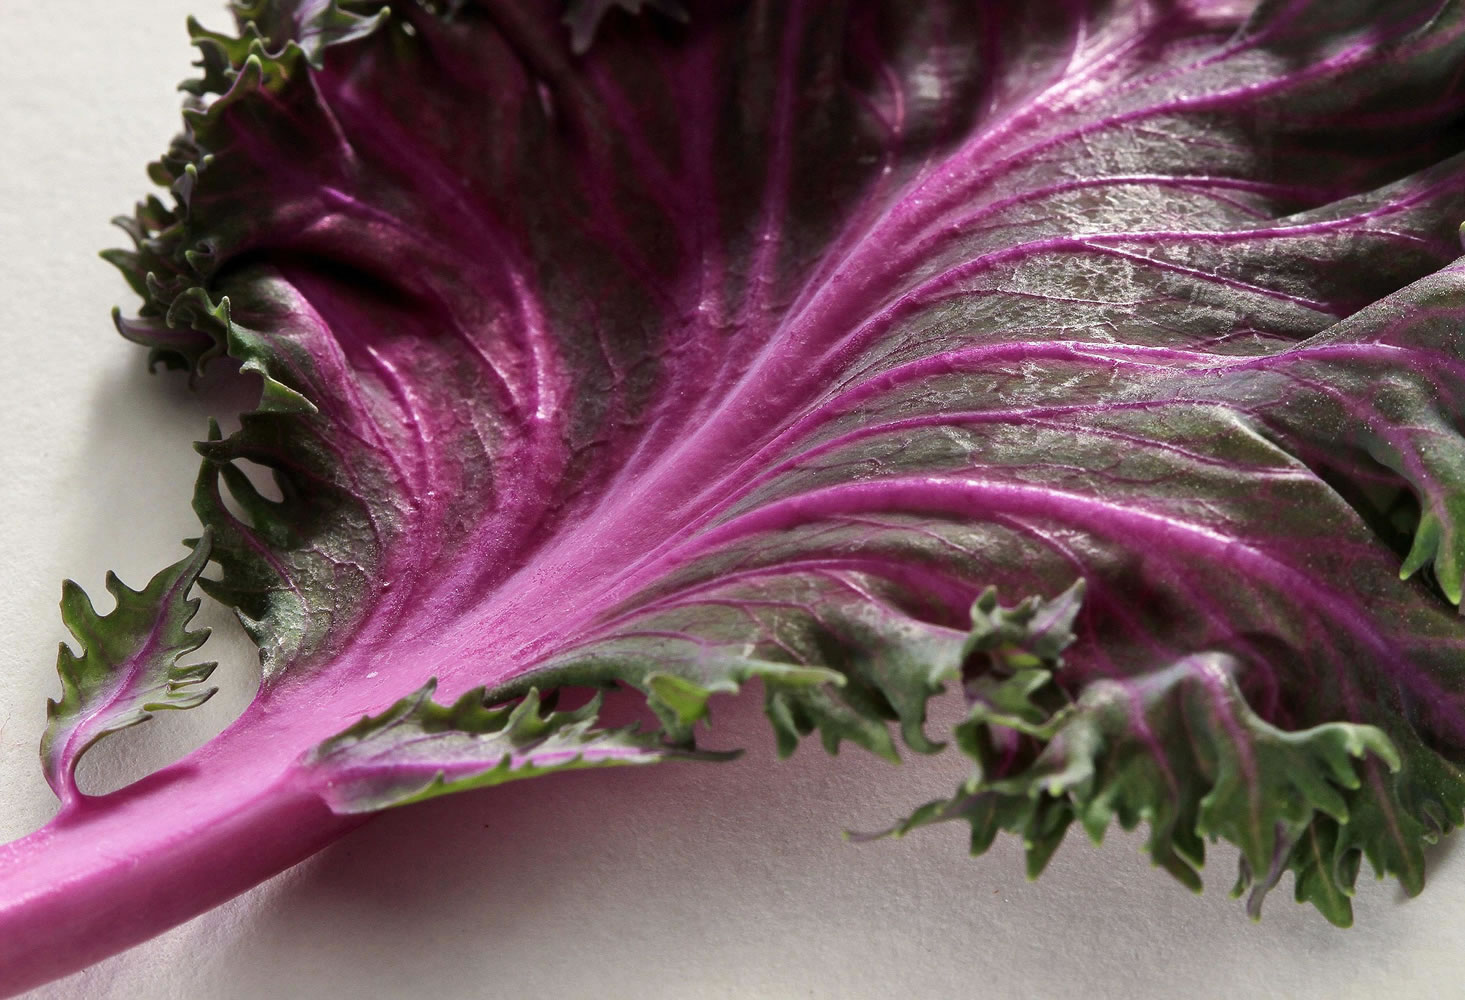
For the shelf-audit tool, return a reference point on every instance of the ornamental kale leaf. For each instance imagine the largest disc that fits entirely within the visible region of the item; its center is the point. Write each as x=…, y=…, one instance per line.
x=1100, y=358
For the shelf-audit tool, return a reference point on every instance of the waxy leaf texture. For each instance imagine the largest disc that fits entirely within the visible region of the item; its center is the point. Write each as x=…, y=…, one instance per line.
x=1100, y=358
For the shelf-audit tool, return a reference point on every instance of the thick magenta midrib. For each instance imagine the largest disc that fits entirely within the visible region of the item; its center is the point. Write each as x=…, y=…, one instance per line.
x=64, y=904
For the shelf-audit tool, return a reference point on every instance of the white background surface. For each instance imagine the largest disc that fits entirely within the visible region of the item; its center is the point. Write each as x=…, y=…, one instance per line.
x=684, y=881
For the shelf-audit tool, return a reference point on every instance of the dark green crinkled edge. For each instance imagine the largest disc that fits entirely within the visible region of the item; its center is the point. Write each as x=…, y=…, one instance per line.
x=1174, y=749
x=173, y=263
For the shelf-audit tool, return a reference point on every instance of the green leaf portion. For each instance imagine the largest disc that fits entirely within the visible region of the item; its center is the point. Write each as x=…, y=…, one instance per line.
x=1439, y=542
x=1033, y=634
x=1181, y=750
x=1424, y=449
x=311, y=27
x=175, y=252
x=846, y=669
x=128, y=668
x=1390, y=820
x=418, y=749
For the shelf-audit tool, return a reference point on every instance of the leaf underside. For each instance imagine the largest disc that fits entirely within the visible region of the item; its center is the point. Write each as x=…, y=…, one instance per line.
x=777, y=342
